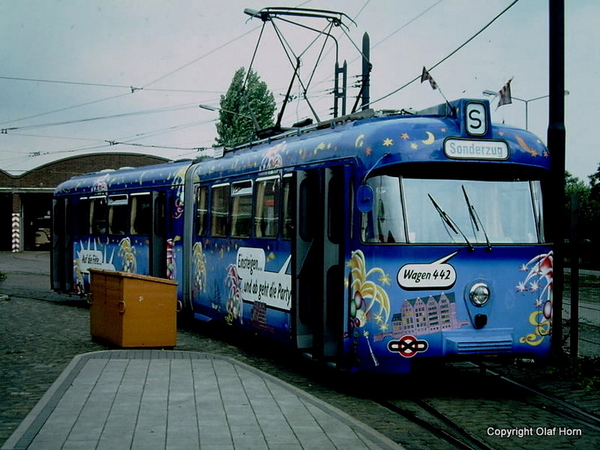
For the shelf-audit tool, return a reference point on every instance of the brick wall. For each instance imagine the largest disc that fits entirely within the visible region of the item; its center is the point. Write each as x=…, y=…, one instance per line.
x=51, y=175
x=25, y=198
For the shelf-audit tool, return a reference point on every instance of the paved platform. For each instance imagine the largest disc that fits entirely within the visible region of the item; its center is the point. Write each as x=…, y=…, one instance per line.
x=155, y=399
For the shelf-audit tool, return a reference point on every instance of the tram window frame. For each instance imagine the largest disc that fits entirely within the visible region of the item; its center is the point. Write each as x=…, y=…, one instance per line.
x=308, y=190
x=287, y=207
x=159, y=214
x=537, y=199
x=98, y=216
x=118, y=214
x=267, y=207
x=335, y=208
x=219, y=218
x=241, y=208
x=201, y=210
x=140, y=214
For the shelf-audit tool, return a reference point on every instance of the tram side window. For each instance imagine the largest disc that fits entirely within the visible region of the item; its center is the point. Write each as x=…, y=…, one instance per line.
x=241, y=208
x=117, y=214
x=219, y=210
x=141, y=214
x=82, y=215
x=266, y=217
x=385, y=222
x=98, y=216
x=201, y=210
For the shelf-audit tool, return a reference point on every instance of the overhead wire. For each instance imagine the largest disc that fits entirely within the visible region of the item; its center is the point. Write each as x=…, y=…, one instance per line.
x=118, y=86
x=132, y=88
x=136, y=136
x=91, y=119
x=146, y=86
x=425, y=11
x=60, y=110
x=344, y=32
x=107, y=143
x=418, y=77
x=77, y=83
x=200, y=57
x=418, y=16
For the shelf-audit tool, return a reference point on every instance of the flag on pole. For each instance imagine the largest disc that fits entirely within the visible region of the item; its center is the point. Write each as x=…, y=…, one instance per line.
x=505, y=95
x=427, y=76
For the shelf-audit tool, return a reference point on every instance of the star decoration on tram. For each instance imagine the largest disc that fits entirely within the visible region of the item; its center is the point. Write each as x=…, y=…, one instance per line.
x=388, y=142
x=385, y=279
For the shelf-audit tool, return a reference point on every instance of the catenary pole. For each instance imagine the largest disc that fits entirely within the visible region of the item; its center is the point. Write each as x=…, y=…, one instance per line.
x=556, y=147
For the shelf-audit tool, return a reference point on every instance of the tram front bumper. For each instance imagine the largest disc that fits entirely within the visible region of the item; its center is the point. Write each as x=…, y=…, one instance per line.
x=478, y=342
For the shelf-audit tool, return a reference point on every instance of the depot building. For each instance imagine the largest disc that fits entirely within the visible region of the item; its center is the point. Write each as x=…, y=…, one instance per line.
x=26, y=198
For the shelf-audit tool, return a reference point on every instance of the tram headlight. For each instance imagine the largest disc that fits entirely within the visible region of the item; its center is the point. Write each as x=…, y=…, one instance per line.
x=479, y=294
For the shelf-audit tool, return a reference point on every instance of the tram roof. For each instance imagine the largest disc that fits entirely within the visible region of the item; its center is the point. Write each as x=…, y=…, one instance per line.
x=154, y=176
x=370, y=139
x=438, y=134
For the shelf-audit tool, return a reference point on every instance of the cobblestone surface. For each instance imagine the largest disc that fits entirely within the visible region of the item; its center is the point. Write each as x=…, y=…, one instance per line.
x=40, y=332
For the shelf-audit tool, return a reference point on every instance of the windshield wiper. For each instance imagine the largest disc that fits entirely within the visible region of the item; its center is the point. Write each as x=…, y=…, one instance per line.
x=475, y=218
x=449, y=222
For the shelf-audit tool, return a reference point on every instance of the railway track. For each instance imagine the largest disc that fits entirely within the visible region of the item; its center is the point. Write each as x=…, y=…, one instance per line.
x=479, y=408
x=554, y=404
x=431, y=420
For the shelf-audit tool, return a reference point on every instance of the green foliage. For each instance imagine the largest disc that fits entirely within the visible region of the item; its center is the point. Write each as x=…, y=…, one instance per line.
x=595, y=186
x=241, y=106
x=583, y=372
x=588, y=220
x=588, y=198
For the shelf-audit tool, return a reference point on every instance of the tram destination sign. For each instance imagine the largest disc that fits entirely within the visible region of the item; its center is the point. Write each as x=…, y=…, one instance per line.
x=476, y=149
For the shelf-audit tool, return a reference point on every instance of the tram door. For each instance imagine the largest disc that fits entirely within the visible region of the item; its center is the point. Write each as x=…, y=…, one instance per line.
x=62, y=249
x=158, y=242
x=321, y=225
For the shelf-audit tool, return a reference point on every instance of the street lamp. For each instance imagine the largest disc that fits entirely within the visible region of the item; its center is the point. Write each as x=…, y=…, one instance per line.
x=251, y=117
x=209, y=108
x=491, y=93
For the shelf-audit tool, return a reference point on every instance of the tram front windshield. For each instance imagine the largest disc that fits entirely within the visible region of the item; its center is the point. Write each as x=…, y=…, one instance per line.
x=443, y=211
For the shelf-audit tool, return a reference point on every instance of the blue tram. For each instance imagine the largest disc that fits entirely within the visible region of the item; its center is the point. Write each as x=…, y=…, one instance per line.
x=370, y=241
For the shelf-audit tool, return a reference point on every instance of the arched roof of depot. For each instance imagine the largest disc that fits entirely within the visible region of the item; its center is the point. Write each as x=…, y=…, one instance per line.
x=49, y=175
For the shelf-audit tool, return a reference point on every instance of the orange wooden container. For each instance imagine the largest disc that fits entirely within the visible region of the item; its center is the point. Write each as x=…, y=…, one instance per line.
x=132, y=310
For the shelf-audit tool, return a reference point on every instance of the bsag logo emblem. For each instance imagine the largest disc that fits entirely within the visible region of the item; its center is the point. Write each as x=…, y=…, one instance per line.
x=408, y=346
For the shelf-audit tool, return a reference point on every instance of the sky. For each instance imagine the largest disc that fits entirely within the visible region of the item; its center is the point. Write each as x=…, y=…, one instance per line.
x=129, y=75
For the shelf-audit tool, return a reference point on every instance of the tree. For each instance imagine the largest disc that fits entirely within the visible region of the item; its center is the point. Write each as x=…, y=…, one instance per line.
x=588, y=221
x=576, y=187
x=595, y=206
x=595, y=184
x=244, y=109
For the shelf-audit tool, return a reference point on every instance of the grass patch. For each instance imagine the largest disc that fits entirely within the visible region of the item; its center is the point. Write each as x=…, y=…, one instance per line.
x=583, y=372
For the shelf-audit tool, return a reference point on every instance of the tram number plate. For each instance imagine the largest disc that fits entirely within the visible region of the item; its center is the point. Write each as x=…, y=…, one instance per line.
x=427, y=276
